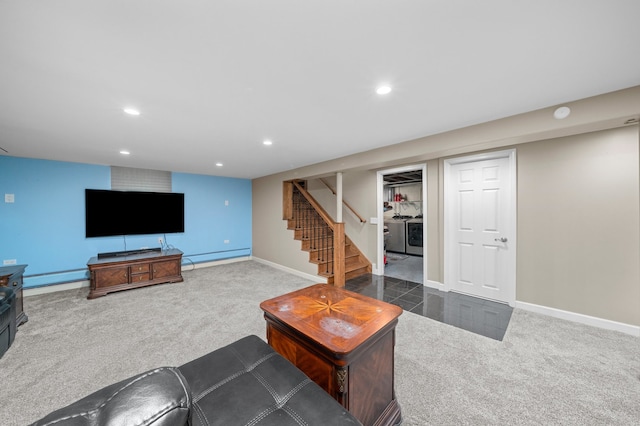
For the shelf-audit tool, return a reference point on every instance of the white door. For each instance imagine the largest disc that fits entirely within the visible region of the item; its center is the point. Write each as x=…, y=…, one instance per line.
x=480, y=226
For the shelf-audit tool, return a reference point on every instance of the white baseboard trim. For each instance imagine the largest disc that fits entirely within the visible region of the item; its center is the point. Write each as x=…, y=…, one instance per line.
x=316, y=278
x=434, y=284
x=192, y=266
x=581, y=318
x=54, y=288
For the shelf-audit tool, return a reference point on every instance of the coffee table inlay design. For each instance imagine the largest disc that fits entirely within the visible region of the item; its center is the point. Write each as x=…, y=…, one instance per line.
x=343, y=341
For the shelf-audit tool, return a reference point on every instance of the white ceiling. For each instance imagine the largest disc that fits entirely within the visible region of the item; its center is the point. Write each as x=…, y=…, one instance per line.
x=213, y=79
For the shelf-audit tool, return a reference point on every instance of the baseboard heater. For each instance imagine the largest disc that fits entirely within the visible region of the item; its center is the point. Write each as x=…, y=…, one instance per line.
x=128, y=252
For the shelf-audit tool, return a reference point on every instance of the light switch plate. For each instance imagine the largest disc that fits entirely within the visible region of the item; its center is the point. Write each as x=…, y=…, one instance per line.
x=9, y=198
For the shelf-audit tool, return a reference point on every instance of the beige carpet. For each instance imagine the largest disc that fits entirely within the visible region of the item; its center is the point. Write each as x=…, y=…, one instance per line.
x=545, y=372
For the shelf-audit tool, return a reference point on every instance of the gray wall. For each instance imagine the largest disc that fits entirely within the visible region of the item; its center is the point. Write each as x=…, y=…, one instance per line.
x=578, y=224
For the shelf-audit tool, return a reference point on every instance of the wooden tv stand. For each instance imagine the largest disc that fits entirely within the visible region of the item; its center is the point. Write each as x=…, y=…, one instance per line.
x=133, y=271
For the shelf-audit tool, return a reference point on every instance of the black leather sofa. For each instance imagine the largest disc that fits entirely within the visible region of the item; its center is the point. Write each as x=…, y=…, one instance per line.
x=244, y=383
x=7, y=319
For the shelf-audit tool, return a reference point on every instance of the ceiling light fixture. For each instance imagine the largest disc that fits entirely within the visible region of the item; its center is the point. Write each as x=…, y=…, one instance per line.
x=218, y=164
x=267, y=142
x=131, y=111
x=383, y=90
x=561, y=113
x=123, y=152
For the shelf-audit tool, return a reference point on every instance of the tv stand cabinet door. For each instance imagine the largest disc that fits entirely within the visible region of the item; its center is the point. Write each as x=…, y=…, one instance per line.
x=109, y=277
x=167, y=269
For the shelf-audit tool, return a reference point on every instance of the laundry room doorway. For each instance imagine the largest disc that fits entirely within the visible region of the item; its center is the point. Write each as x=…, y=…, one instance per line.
x=401, y=215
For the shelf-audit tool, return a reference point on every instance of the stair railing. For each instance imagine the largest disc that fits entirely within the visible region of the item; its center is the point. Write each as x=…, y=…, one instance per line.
x=325, y=237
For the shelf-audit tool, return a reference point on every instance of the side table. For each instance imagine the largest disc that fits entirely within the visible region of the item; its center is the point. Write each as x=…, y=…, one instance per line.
x=344, y=342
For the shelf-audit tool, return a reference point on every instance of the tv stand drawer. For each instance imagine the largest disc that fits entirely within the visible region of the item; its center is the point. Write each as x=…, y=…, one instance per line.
x=138, y=278
x=140, y=269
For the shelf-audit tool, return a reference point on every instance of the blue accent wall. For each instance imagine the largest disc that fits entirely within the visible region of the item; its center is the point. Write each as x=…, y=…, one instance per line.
x=44, y=227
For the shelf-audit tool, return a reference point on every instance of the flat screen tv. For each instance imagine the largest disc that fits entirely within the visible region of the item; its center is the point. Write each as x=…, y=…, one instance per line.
x=110, y=213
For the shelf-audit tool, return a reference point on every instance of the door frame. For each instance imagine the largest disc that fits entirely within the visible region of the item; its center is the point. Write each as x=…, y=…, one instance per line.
x=449, y=261
x=379, y=269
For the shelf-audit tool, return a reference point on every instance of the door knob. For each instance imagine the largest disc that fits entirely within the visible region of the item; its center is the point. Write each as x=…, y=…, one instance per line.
x=501, y=240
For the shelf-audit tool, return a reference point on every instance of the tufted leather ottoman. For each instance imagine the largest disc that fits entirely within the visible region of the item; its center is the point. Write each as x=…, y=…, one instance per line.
x=244, y=383
x=248, y=383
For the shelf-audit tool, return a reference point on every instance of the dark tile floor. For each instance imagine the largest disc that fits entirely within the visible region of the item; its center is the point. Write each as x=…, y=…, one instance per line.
x=480, y=316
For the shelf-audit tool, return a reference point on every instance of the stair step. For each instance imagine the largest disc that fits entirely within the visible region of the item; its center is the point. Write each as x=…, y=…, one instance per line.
x=351, y=271
x=315, y=254
x=357, y=272
x=300, y=234
x=294, y=224
x=353, y=262
x=306, y=245
x=350, y=275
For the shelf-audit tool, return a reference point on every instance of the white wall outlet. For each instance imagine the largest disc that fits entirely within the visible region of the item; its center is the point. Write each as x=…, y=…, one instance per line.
x=226, y=202
x=9, y=262
x=373, y=220
x=226, y=241
x=9, y=198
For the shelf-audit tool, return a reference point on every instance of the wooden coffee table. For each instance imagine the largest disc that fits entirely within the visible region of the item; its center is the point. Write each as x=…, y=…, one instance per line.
x=344, y=342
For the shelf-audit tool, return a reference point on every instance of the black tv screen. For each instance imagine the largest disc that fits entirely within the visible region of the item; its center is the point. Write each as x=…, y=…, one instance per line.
x=109, y=213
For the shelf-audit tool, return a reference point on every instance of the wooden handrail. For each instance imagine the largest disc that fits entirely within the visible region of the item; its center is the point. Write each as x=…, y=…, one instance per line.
x=362, y=220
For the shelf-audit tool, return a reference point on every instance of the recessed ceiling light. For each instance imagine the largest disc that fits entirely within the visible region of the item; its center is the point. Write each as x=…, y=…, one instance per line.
x=561, y=113
x=267, y=142
x=218, y=164
x=123, y=152
x=383, y=90
x=132, y=111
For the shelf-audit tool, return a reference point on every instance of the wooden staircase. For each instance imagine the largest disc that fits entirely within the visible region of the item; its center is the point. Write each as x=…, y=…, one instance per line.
x=338, y=259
